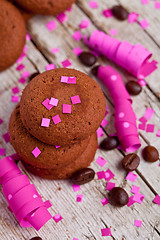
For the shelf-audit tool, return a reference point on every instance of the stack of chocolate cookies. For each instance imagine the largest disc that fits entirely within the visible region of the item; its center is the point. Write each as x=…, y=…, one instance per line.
x=53, y=129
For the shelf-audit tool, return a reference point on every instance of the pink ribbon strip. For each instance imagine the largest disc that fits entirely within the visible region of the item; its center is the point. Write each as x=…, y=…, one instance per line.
x=125, y=119
x=22, y=196
x=134, y=58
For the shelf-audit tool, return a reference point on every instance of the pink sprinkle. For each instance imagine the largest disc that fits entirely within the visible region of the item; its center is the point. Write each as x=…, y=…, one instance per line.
x=15, y=90
x=101, y=161
x=142, y=126
x=131, y=177
x=158, y=133
x=66, y=63
x=2, y=151
x=6, y=137
x=77, y=51
x=104, y=123
x=47, y=204
x=148, y=113
x=108, y=175
x=150, y=128
x=100, y=175
x=53, y=102
x=25, y=49
x=113, y=32
x=28, y=37
x=110, y=186
x=54, y=50
x=144, y=2
x=157, y=5
x=62, y=17
x=135, y=189
x=15, y=98
x=75, y=239
x=144, y=23
x=46, y=104
x=56, y=119
x=45, y=122
x=142, y=82
x=20, y=67
x=106, y=232
x=100, y=132
x=64, y=79
x=132, y=17
x=157, y=199
x=36, y=152
x=104, y=201
x=138, y=197
x=20, y=59
x=130, y=202
x=76, y=187
x=77, y=36
x=25, y=74
x=67, y=108
x=57, y=146
x=71, y=80
x=51, y=25
x=137, y=223
x=22, y=80
x=57, y=217
x=142, y=119
x=1, y=121
x=50, y=66
x=108, y=13
x=93, y=4
x=84, y=24
x=75, y=99
x=79, y=197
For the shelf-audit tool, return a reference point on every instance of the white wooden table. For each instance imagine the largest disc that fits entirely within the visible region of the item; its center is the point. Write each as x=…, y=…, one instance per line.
x=86, y=219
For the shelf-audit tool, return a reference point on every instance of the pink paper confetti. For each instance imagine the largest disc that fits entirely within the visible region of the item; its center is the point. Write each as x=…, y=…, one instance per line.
x=6, y=137
x=157, y=5
x=15, y=98
x=108, y=175
x=142, y=119
x=101, y=161
x=28, y=37
x=56, y=119
x=15, y=90
x=138, y=197
x=46, y=104
x=57, y=217
x=148, y=113
x=54, y=50
x=79, y=197
x=77, y=36
x=110, y=186
x=100, y=132
x=137, y=223
x=142, y=82
x=36, y=152
x=106, y=232
x=108, y=13
x=1, y=121
x=64, y=79
x=104, y=123
x=150, y=128
x=75, y=239
x=22, y=80
x=144, y=2
x=53, y=102
x=67, y=108
x=51, y=25
x=157, y=199
x=25, y=74
x=132, y=17
x=2, y=151
x=130, y=202
x=144, y=23
x=50, y=66
x=75, y=99
x=104, y=201
x=66, y=63
x=45, y=122
x=62, y=17
x=71, y=80
x=135, y=189
x=93, y=4
x=158, y=133
x=84, y=23
x=100, y=175
x=113, y=32
x=77, y=51
x=20, y=67
x=142, y=126
x=131, y=177
x=76, y=187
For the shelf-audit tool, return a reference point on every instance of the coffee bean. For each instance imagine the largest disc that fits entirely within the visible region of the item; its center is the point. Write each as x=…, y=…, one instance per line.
x=131, y=162
x=83, y=176
x=36, y=238
x=119, y=12
x=94, y=70
x=109, y=143
x=118, y=197
x=87, y=58
x=33, y=75
x=150, y=154
x=133, y=88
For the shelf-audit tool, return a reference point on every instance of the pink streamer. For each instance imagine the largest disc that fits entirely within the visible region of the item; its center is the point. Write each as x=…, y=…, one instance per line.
x=125, y=119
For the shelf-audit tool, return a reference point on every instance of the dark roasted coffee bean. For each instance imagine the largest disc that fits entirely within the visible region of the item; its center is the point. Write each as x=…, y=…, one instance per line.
x=150, y=154
x=118, y=197
x=133, y=88
x=36, y=238
x=33, y=75
x=83, y=176
x=94, y=70
x=109, y=143
x=87, y=58
x=131, y=162
x=119, y=12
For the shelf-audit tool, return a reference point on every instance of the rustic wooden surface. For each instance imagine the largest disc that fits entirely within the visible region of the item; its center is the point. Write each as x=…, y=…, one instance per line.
x=86, y=219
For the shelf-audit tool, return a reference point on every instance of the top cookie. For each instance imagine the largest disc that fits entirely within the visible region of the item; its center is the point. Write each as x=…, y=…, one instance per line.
x=84, y=100
x=12, y=35
x=45, y=7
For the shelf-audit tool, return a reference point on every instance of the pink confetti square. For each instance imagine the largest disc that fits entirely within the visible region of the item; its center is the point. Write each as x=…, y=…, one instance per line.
x=131, y=177
x=62, y=17
x=75, y=99
x=157, y=5
x=144, y=2
x=28, y=37
x=22, y=80
x=142, y=126
x=51, y=25
x=71, y=80
x=108, y=175
x=93, y=4
x=158, y=133
x=101, y=161
x=36, y=152
x=56, y=119
x=25, y=74
x=106, y=232
x=108, y=13
x=15, y=90
x=110, y=186
x=46, y=104
x=2, y=151
x=130, y=202
x=57, y=217
x=142, y=119
x=144, y=23
x=157, y=199
x=67, y=108
x=54, y=101
x=150, y=128
x=137, y=223
x=6, y=137
x=76, y=187
x=20, y=67
x=64, y=79
x=104, y=123
x=132, y=17
x=142, y=82
x=84, y=23
x=66, y=63
x=77, y=36
x=104, y=201
x=45, y=122
x=1, y=121
x=75, y=239
x=113, y=32
x=79, y=197
x=54, y=50
x=100, y=132
x=135, y=189
x=100, y=175
x=138, y=197
x=77, y=51
x=15, y=98
x=148, y=113
x=50, y=66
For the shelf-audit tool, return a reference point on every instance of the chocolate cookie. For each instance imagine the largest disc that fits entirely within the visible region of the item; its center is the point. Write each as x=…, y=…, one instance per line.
x=45, y=7
x=12, y=35
x=50, y=157
x=84, y=100
x=81, y=162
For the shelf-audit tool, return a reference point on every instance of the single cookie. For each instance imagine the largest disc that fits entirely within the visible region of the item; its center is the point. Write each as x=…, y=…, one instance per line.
x=45, y=7
x=63, y=128
x=24, y=143
x=81, y=162
x=12, y=35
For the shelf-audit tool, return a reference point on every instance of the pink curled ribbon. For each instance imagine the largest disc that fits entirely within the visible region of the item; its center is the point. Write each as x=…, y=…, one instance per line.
x=125, y=119
x=22, y=196
x=134, y=58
